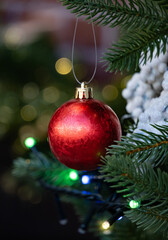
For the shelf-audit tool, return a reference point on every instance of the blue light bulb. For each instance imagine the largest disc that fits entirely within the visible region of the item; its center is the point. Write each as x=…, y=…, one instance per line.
x=85, y=179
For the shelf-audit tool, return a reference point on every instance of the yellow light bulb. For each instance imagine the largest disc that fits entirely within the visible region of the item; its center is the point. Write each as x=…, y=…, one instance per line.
x=105, y=225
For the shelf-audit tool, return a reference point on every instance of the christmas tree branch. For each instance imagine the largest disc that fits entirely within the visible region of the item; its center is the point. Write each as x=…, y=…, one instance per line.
x=145, y=146
x=143, y=183
x=161, y=3
x=135, y=48
x=135, y=179
x=152, y=219
x=145, y=23
x=129, y=14
x=52, y=173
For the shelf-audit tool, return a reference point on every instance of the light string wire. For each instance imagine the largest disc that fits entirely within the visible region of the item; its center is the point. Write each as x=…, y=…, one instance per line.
x=73, y=47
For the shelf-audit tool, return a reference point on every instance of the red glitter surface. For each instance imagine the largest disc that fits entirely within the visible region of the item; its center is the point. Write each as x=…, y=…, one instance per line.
x=79, y=132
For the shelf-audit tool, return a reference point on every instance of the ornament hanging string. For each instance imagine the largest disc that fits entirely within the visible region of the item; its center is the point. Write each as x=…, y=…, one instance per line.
x=73, y=46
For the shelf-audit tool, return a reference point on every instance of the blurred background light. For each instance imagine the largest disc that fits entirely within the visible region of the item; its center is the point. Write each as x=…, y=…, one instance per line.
x=110, y=92
x=124, y=81
x=13, y=37
x=51, y=94
x=28, y=113
x=63, y=66
x=30, y=91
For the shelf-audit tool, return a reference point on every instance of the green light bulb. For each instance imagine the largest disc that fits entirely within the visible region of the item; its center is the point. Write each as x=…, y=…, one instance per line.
x=29, y=142
x=134, y=204
x=73, y=175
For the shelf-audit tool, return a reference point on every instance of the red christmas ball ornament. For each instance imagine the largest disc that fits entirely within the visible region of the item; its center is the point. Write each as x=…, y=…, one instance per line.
x=81, y=129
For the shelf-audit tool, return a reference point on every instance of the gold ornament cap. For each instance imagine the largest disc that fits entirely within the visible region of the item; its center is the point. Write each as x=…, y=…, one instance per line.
x=84, y=92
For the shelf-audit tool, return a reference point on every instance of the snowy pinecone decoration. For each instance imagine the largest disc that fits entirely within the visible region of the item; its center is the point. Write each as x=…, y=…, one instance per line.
x=147, y=94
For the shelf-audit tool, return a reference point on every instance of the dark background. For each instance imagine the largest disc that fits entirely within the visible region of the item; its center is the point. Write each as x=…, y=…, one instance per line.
x=23, y=220
x=33, y=36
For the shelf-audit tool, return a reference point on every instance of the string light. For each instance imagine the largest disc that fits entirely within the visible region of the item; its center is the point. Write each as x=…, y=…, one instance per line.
x=134, y=204
x=30, y=142
x=85, y=179
x=105, y=225
x=73, y=175
x=119, y=218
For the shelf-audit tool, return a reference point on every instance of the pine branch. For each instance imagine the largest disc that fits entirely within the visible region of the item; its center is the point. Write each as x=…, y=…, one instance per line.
x=148, y=219
x=145, y=146
x=135, y=48
x=161, y=3
x=27, y=167
x=143, y=183
x=52, y=172
x=131, y=14
x=135, y=179
x=145, y=22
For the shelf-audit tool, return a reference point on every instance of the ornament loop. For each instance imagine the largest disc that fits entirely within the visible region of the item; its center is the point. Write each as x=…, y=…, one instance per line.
x=73, y=46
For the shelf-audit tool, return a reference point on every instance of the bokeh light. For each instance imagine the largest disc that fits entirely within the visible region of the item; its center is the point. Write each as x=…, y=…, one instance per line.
x=124, y=81
x=73, y=175
x=28, y=113
x=51, y=94
x=105, y=225
x=30, y=142
x=6, y=114
x=110, y=92
x=63, y=66
x=13, y=37
x=134, y=204
x=30, y=91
